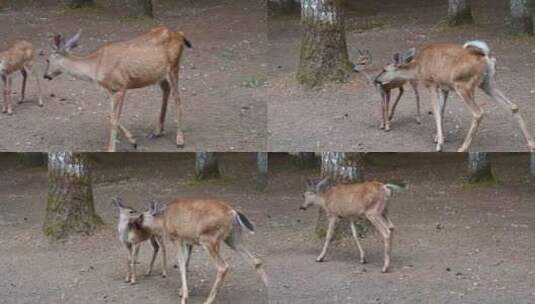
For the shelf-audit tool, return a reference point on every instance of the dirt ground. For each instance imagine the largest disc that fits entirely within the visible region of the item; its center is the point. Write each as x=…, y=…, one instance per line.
x=346, y=116
x=453, y=243
x=91, y=269
x=482, y=253
x=221, y=79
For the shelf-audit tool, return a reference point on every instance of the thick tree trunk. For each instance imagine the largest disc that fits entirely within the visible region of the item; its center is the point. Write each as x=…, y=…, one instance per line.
x=479, y=168
x=81, y=3
x=31, y=159
x=206, y=165
x=459, y=12
x=282, y=7
x=70, y=206
x=532, y=171
x=341, y=167
x=262, y=169
x=323, y=46
x=304, y=160
x=133, y=8
x=521, y=22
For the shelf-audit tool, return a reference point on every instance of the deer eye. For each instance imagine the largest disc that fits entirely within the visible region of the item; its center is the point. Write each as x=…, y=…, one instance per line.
x=132, y=212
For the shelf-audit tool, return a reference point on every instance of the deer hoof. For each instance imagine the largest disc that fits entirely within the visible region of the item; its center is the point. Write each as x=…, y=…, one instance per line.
x=155, y=135
x=134, y=145
x=20, y=101
x=164, y=275
x=320, y=260
x=363, y=261
x=384, y=270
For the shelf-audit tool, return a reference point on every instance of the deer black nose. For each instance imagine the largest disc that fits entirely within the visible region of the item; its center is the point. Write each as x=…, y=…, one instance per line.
x=47, y=77
x=302, y=208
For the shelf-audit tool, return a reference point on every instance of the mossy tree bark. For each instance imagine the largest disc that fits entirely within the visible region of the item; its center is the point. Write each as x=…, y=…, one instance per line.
x=345, y=168
x=206, y=166
x=459, y=12
x=323, y=46
x=133, y=8
x=31, y=159
x=81, y=3
x=262, y=170
x=304, y=160
x=479, y=167
x=520, y=20
x=70, y=206
x=282, y=7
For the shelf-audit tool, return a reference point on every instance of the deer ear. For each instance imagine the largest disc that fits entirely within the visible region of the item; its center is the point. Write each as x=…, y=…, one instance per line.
x=408, y=56
x=117, y=202
x=73, y=41
x=397, y=58
x=57, y=42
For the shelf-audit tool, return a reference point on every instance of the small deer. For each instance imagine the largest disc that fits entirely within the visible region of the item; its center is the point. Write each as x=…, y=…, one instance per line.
x=449, y=67
x=133, y=234
x=363, y=61
x=19, y=57
x=152, y=58
x=352, y=201
x=205, y=222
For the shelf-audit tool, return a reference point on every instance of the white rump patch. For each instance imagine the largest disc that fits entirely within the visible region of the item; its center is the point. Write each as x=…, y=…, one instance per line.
x=478, y=44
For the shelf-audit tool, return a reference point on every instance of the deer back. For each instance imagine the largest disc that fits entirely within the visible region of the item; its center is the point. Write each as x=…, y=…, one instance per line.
x=354, y=199
x=15, y=57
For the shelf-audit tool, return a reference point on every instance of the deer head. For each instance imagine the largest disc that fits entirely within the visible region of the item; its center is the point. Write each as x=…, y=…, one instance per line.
x=152, y=218
x=394, y=70
x=60, y=49
x=313, y=192
x=125, y=212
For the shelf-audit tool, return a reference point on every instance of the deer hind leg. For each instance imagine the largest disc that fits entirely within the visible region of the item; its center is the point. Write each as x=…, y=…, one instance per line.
x=181, y=254
x=386, y=109
x=477, y=116
x=380, y=224
x=166, y=91
x=155, y=249
x=437, y=113
x=499, y=97
x=414, y=86
x=164, y=256
x=173, y=81
x=135, y=250
x=4, y=92
x=235, y=244
x=383, y=105
x=356, y=237
x=222, y=268
x=401, y=91
x=128, y=263
x=7, y=95
x=330, y=233
x=23, y=89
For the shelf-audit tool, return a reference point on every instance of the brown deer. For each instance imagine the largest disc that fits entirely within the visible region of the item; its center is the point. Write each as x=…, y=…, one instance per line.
x=205, y=222
x=152, y=58
x=132, y=234
x=449, y=67
x=352, y=201
x=19, y=57
x=361, y=65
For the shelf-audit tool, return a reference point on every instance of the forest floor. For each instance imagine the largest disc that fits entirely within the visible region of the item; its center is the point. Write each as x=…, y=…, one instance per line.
x=221, y=80
x=453, y=243
x=343, y=117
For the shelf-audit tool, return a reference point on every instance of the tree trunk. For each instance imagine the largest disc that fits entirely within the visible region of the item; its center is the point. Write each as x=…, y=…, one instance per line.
x=459, y=12
x=304, y=160
x=520, y=22
x=532, y=171
x=479, y=168
x=70, y=206
x=346, y=168
x=81, y=3
x=262, y=167
x=133, y=8
x=323, y=46
x=206, y=166
x=282, y=7
x=31, y=159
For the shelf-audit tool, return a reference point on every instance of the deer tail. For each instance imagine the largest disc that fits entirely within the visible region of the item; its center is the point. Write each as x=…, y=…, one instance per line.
x=243, y=221
x=390, y=187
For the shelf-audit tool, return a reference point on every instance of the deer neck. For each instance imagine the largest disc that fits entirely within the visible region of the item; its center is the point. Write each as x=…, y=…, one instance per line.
x=408, y=71
x=83, y=68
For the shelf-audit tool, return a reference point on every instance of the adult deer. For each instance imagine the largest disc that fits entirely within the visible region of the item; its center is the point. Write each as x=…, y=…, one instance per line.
x=132, y=234
x=205, y=222
x=152, y=58
x=361, y=65
x=460, y=68
x=19, y=57
x=352, y=201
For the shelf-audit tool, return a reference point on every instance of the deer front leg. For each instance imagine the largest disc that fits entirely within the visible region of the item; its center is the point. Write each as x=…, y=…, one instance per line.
x=401, y=91
x=477, y=116
x=23, y=89
x=166, y=91
x=155, y=249
x=164, y=256
x=4, y=92
x=128, y=263
x=184, y=292
x=38, y=83
x=414, y=86
x=133, y=263
x=439, y=138
x=116, y=104
x=328, y=238
x=7, y=95
x=221, y=266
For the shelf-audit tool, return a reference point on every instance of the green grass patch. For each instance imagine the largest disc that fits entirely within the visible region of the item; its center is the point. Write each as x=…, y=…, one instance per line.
x=253, y=82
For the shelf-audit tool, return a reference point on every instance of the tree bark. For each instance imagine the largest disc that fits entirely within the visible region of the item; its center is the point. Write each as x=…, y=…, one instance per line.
x=459, y=12
x=323, y=46
x=133, y=8
x=262, y=169
x=206, y=166
x=81, y=3
x=521, y=22
x=532, y=171
x=70, y=206
x=345, y=168
x=304, y=160
x=282, y=7
x=480, y=169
